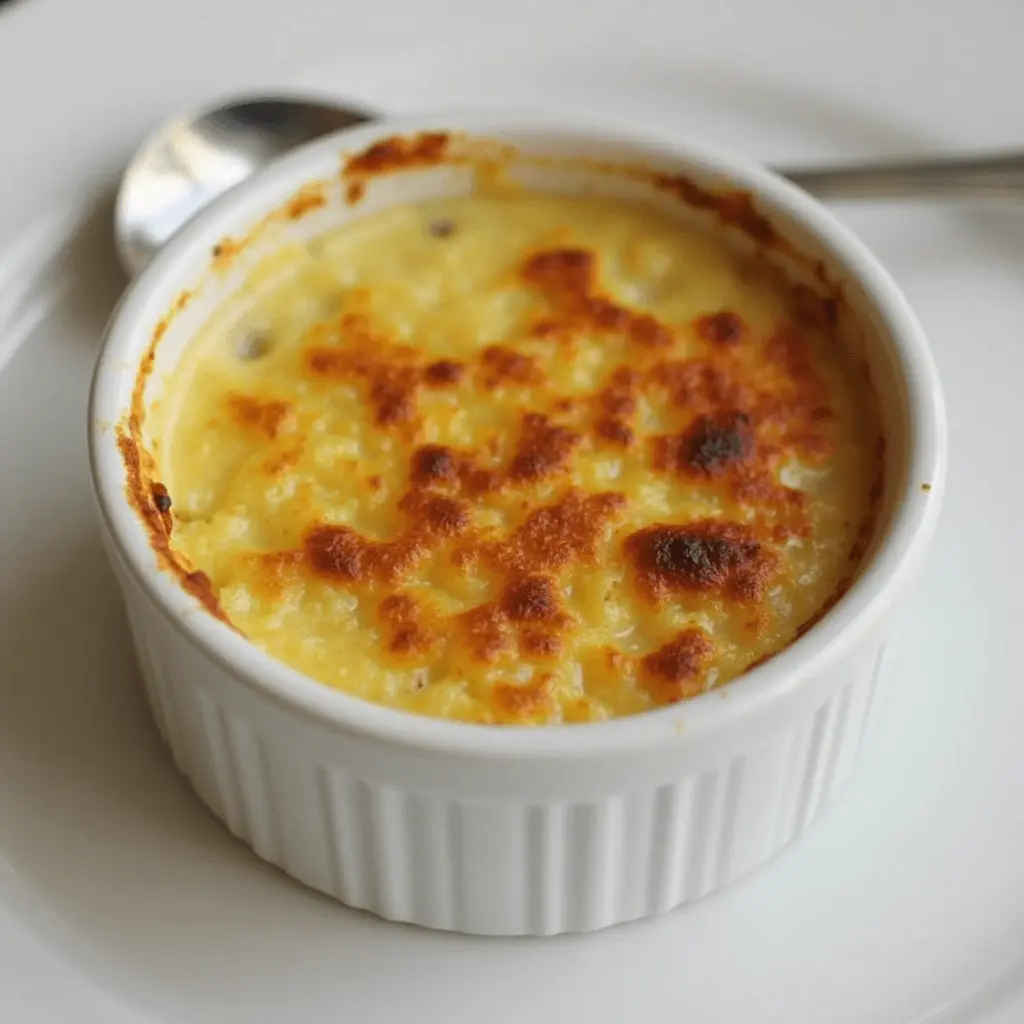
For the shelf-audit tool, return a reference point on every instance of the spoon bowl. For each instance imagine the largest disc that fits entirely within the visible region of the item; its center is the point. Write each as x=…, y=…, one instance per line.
x=192, y=159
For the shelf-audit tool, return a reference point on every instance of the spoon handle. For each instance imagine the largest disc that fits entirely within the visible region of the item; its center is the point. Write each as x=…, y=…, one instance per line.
x=1000, y=176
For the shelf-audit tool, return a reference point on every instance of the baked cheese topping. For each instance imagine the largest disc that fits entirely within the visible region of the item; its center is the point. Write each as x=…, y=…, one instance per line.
x=519, y=458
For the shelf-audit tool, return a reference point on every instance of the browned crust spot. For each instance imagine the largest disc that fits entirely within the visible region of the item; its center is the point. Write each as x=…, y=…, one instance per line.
x=801, y=417
x=272, y=572
x=434, y=464
x=559, y=535
x=709, y=555
x=675, y=671
x=724, y=447
x=342, y=553
x=568, y=278
x=268, y=417
x=444, y=373
x=412, y=635
x=532, y=599
x=534, y=605
x=393, y=394
x=569, y=273
x=528, y=618
x=398, y=153
x=487, y=632
x=502, y=365
x=721, y=329
x=518, y=701
x=617, y=404
x=742, y=433
x=435, y=516
x=701, y=386
x=441, y=467
x=544, y=449
x=355, y=192
x=389, y=372
x=540, y=645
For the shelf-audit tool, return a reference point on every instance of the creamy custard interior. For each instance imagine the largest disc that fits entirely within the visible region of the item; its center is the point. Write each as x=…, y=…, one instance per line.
x=519, y=459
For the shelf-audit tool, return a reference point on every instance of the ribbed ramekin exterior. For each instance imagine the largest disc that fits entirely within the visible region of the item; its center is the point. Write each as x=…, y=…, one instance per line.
x=407, y=843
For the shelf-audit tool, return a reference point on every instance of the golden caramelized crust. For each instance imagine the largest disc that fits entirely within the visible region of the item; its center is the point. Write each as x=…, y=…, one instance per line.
x=517, y=459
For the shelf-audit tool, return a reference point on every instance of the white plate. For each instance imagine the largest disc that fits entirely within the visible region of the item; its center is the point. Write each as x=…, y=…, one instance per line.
x=122, y=900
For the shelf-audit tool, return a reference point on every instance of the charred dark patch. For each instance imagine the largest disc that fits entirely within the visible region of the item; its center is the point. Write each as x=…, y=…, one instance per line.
x=706, y=555
x=709, y=447
x=161, y=498
x=434, y=464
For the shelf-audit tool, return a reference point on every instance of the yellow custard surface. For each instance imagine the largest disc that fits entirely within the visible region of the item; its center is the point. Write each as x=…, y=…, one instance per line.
x=519, y=459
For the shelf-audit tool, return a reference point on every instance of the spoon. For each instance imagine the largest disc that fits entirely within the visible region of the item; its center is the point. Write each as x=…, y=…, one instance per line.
x=190, y=160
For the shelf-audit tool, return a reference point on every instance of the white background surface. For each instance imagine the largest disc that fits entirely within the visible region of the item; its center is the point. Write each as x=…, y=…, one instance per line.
x=121, y=900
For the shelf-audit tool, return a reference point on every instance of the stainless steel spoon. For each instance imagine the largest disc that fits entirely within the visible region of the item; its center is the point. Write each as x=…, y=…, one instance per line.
x=190, y=160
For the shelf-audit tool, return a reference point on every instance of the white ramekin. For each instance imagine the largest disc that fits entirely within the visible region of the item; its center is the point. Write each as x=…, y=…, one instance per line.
x=514, y=831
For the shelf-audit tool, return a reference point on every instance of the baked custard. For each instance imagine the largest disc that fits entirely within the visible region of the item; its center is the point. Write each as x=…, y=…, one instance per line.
x=521, y=458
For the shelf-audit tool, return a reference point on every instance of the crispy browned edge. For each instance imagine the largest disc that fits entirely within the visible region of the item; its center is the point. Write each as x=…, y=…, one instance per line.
x=733, y=208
